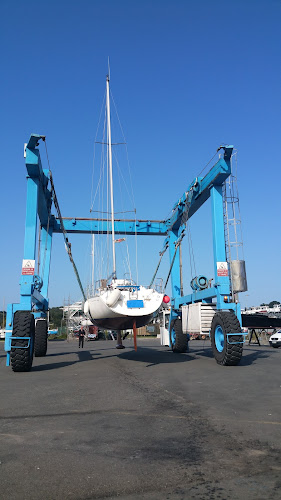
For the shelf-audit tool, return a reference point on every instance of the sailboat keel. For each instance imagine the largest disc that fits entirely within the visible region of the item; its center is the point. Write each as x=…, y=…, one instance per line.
x=125, y=323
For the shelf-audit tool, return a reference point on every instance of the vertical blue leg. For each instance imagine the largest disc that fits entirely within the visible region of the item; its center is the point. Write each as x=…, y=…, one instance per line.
x=29, y=253
x=29, y=240
x=175, y=273
x=221, y=282
x=45, y=258
x=38, y=205
x=8, y=331
x=31, y=219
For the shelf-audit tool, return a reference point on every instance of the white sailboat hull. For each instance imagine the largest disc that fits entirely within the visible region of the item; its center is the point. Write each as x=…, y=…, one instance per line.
x=117, y=309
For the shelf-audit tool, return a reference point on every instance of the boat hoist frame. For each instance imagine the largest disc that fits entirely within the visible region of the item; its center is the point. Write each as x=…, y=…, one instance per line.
x=40, y=197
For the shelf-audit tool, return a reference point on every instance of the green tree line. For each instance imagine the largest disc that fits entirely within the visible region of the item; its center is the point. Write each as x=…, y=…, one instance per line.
x=3, y=319
x=56, y=314
x=271, y=304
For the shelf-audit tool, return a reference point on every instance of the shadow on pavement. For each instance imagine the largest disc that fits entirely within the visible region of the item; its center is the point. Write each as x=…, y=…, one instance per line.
x=155, y=357
x=249, y=355
x=149, y=354
x=52, y=366
x=249, y=359
x=82, y=355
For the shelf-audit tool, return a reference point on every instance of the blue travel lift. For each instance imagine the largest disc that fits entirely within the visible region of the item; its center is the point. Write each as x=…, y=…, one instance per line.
x=27, y=326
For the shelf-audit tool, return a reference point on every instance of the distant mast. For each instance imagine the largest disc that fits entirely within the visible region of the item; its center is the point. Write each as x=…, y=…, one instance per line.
x=109, y=149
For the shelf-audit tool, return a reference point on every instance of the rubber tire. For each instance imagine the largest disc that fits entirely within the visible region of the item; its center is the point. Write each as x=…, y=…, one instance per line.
x=231, y=353
x=41, y=338
x=24, y=326
x=181, y=342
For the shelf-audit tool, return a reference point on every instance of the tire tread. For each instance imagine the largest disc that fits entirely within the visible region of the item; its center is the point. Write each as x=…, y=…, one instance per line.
x=21, y=359
x=232, y=353
x=41, y=338
x=181, y=343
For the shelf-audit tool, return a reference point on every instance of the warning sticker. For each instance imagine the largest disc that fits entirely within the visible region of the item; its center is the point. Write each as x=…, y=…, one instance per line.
x=28, y=267
x=222, y=269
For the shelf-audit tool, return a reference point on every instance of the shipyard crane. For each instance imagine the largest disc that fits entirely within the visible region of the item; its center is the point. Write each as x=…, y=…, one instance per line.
x=26, y=323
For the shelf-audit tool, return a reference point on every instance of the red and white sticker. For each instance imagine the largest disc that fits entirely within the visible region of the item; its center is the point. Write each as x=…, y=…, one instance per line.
x=28, y=267
x=222, y=269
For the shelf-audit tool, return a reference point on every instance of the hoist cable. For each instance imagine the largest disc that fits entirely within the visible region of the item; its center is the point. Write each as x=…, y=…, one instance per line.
x=191, y=252
x=184, y=220
x=67, y=244
x=210, y=160
x=171, y=266
x=158, y=265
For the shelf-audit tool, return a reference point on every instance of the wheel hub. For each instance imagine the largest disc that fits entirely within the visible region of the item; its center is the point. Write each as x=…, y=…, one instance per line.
x=219, y=338
x=173, y=336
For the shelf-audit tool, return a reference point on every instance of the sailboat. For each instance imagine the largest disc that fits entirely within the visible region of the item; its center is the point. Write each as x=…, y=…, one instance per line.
x=120, y=304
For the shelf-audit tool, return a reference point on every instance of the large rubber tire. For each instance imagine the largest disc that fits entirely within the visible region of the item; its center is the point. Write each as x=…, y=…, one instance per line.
x=24, y=326
x=227, y=350
x=178, y=340
x=41, y=338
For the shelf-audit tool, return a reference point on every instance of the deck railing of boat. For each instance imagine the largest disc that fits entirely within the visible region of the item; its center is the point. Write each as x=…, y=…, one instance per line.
x=101, y=285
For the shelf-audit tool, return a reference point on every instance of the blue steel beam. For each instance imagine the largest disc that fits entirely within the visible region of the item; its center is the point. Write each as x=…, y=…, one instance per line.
x=45, y=257
x=40, y=176
x=34, y=140
x=175, y=273
x=222, y=282
x=103, y=226
x=39, y=201
x=199, y=296
x=203, y=295
x=199, y=191
x=29, y=253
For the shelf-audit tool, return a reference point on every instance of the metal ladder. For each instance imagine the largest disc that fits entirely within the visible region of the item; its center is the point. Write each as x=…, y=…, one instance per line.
x=232, y=220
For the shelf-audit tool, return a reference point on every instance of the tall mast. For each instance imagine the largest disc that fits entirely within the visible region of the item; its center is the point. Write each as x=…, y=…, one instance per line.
x=110, y=174
x=93, y=265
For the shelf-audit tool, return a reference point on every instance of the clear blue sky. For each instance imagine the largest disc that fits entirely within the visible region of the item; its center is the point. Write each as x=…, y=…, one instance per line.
x=186, y=77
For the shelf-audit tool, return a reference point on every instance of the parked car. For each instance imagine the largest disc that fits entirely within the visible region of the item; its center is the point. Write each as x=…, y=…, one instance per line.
x=275, y=339
x=92, y=336
x=54, y=331
x=92, y=332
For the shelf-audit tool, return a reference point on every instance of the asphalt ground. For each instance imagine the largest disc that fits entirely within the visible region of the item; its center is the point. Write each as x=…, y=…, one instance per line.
x=105, y=423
